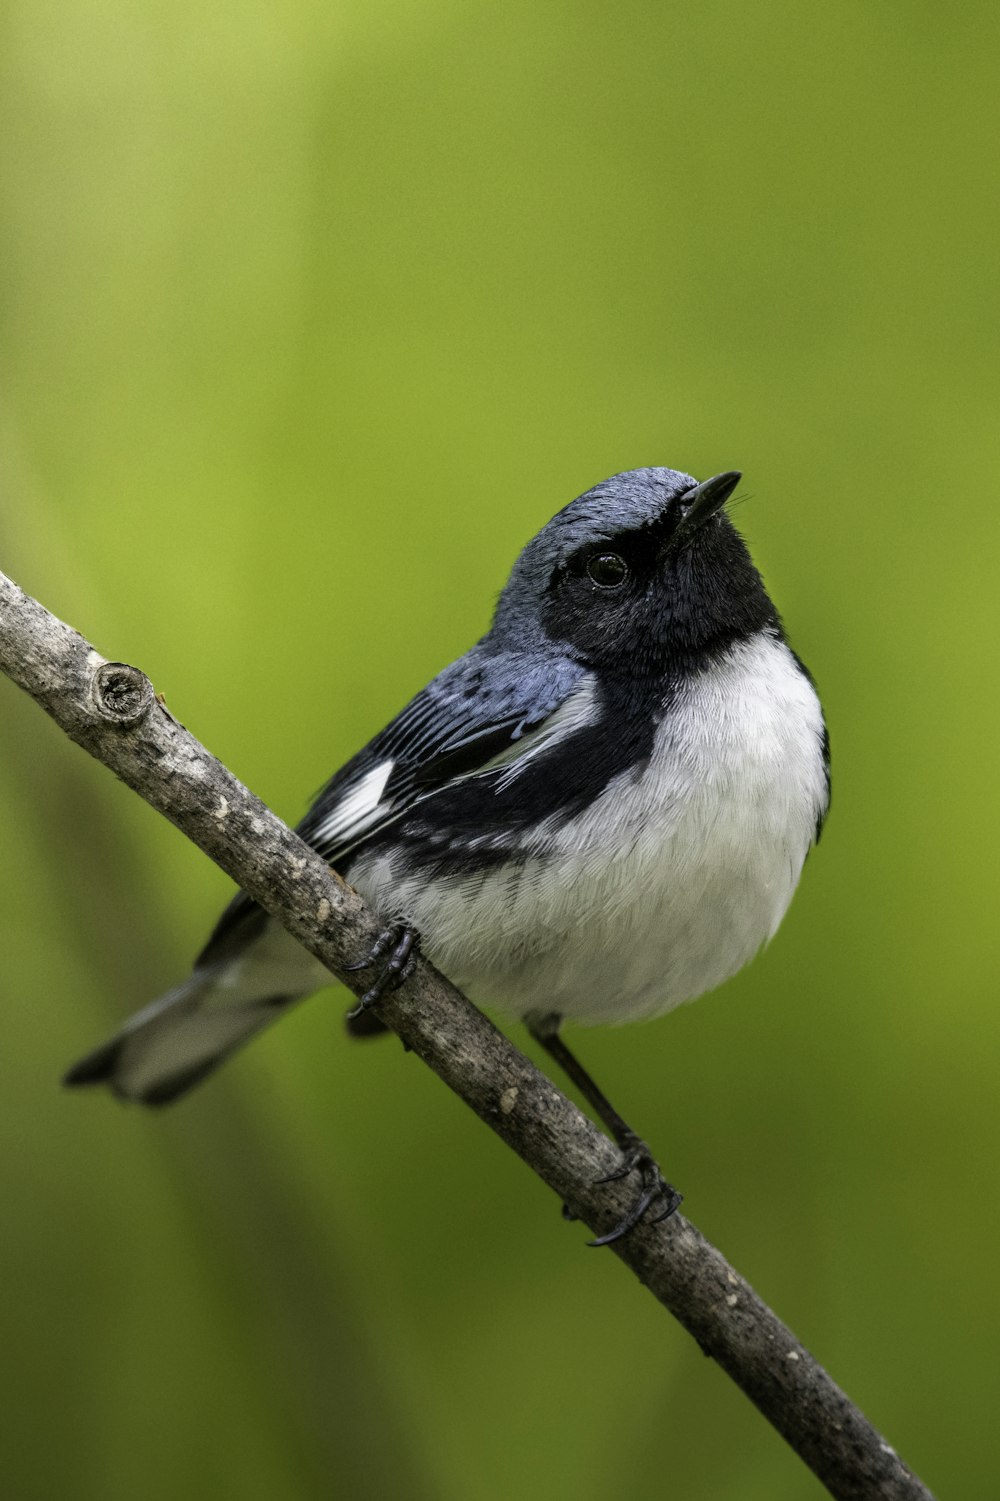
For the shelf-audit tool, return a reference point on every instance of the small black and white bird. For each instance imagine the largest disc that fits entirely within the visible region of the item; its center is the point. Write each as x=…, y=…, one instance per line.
x=598, y=812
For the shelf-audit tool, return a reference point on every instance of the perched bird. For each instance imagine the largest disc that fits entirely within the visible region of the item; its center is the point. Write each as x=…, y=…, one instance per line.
x=598, y=812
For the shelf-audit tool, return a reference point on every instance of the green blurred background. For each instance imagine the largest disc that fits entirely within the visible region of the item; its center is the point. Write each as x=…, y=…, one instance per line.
x=312, y=314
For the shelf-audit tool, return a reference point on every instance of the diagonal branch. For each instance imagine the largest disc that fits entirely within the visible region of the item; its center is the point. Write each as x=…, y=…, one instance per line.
x=111, y=710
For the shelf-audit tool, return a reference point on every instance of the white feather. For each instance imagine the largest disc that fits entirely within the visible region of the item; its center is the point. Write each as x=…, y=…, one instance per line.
x=358, y=809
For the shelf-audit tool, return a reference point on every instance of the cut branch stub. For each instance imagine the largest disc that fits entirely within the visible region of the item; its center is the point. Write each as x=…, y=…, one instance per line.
x=121, y=694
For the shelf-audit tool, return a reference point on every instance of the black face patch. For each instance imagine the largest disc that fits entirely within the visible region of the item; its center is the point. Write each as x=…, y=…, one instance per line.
x=681, y=599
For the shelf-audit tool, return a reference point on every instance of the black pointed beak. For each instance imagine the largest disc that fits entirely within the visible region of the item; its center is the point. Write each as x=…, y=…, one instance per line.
x=706, y=499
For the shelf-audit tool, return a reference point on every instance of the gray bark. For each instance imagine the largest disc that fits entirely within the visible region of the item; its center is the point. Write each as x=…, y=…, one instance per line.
x=111, y=710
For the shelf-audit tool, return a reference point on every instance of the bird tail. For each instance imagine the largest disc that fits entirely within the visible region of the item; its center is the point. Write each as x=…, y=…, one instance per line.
x=178, y=1040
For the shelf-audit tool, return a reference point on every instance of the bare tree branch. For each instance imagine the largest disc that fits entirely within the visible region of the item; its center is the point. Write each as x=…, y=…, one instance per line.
x=111, y=710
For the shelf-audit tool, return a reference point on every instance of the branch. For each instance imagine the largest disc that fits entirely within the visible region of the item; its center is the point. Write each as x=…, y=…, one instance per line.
x=111, y=710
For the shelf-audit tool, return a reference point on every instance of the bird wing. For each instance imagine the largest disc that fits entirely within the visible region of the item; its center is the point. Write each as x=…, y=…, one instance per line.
x=485, y=713
x=481, y=714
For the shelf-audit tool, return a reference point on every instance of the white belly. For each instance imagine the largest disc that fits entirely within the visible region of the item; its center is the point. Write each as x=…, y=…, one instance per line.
x=667, y=885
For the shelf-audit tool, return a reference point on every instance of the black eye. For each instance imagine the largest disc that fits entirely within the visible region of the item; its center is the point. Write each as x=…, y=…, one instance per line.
x=607, y=570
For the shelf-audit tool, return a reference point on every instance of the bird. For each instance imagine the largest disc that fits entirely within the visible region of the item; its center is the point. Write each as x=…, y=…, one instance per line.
x=597, y=813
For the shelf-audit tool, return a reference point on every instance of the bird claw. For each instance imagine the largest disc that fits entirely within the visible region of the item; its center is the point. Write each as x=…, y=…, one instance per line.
x=403, y=942
x=636, y=1157
x=379, y=947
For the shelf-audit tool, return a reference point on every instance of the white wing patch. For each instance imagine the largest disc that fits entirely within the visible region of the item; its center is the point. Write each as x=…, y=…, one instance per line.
x=358, y=809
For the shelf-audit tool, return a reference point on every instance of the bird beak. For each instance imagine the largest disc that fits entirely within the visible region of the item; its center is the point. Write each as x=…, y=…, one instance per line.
x=706, y=499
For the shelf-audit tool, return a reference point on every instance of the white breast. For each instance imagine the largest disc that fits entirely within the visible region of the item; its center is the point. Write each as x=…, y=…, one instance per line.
x=668, y=884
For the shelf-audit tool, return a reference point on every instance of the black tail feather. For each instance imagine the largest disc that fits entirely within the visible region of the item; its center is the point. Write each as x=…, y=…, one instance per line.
x=97, y=1068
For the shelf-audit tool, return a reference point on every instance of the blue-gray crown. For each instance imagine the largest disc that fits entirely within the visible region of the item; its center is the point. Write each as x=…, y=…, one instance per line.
x=622, y=503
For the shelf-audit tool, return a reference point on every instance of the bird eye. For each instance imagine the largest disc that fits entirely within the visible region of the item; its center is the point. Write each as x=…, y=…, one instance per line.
x=607, y=570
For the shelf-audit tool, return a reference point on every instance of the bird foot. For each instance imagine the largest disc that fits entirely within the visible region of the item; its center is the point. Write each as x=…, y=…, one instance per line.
x=636, y=1157
x=401, y=943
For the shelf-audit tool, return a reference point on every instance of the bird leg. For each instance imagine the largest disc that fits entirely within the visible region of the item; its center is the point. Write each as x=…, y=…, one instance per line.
x=636, y=1156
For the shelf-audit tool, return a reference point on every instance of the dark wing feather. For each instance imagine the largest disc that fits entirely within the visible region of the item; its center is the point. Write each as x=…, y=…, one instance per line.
x=474, y=711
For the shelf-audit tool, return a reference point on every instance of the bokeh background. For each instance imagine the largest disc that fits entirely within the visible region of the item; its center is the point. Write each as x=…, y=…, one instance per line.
x=312, y=313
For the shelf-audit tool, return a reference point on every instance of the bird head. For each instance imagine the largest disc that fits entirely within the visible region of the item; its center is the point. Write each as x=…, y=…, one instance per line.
x=641, y=574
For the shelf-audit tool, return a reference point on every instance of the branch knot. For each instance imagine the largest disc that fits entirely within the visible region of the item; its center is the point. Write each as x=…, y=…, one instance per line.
x=121, y=694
